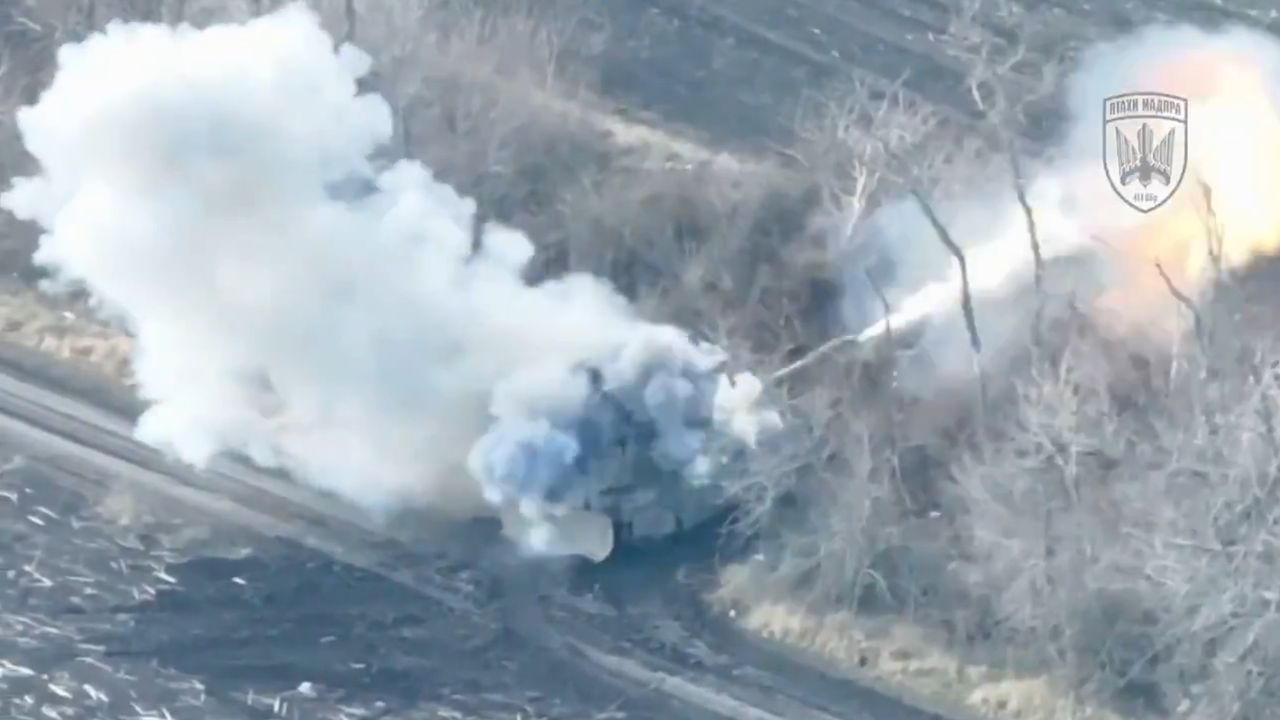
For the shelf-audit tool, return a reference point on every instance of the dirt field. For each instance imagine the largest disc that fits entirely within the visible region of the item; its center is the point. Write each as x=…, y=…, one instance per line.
x=735, y=71
x=691, y=79
x=133, y=584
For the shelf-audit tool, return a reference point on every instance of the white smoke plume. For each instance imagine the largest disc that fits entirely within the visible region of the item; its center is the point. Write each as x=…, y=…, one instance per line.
x=198, y=183
x=1231, y=79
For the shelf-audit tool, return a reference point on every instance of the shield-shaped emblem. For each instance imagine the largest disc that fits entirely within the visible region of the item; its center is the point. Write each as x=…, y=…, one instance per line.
x=1144, y=142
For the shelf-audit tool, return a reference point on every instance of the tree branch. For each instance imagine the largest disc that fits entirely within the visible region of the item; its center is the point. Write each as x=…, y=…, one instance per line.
x=966, y=296
x=1186, y=302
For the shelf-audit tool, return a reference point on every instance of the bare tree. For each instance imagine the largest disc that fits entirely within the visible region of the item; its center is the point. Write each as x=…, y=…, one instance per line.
x=855, y=139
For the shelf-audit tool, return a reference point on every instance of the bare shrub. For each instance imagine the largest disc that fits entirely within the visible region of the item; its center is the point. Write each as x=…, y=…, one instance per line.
x=863, y=143
x=1030, y=498
x=717, y=247
x=12, y=161
x=26, y=47
x=498, y=103
x=485, y=95
x=1109, y=523
x=853, y=137
x=485, y=98
x=1013, y=54
x=1129, y=536
x=840, y=507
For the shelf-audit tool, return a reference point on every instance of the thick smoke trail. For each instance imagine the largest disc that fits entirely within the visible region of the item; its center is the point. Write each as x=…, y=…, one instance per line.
x=190, y=181
x=1231, y=79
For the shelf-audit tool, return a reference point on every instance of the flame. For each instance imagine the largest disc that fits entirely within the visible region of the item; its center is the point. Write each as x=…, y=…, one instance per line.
x=1226, y=205
x=1221, y=215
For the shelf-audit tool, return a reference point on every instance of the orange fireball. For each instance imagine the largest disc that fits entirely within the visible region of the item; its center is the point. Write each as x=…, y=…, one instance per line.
x=1226, y=205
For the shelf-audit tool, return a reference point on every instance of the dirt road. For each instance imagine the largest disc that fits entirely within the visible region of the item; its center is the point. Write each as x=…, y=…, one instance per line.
x=131, y=587
x=733, y=72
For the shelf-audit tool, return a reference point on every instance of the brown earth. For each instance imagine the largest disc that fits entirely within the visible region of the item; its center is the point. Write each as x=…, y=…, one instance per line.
x=709, y=75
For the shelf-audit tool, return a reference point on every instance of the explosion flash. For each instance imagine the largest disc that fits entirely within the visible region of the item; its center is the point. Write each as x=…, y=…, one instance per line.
x=1223, y=216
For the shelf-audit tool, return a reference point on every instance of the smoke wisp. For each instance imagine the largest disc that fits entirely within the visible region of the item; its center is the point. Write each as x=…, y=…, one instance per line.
x=1103, y=251
x=197, y=183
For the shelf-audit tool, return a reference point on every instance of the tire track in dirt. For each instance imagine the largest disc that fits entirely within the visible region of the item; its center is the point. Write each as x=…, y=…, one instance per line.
x=91, y=445
x=851, y=56
x=736, y=71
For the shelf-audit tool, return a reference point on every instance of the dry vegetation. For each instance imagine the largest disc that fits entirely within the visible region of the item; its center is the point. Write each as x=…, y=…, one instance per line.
x=1099, y=535
x=497, y=102
x=1109, y=529
x=1093, y=536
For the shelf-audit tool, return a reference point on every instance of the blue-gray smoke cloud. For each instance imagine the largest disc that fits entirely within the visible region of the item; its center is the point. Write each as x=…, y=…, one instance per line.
x=293, y=301
x=656, y=419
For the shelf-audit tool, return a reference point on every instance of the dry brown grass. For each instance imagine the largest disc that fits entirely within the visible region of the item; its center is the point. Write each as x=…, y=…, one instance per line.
x=1108, y=530
x=1101, y=538
x=25, y=51
x=502, y=108
x=1097, y=538
x=64, y=331
x=905, y=659
x=498, y=103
